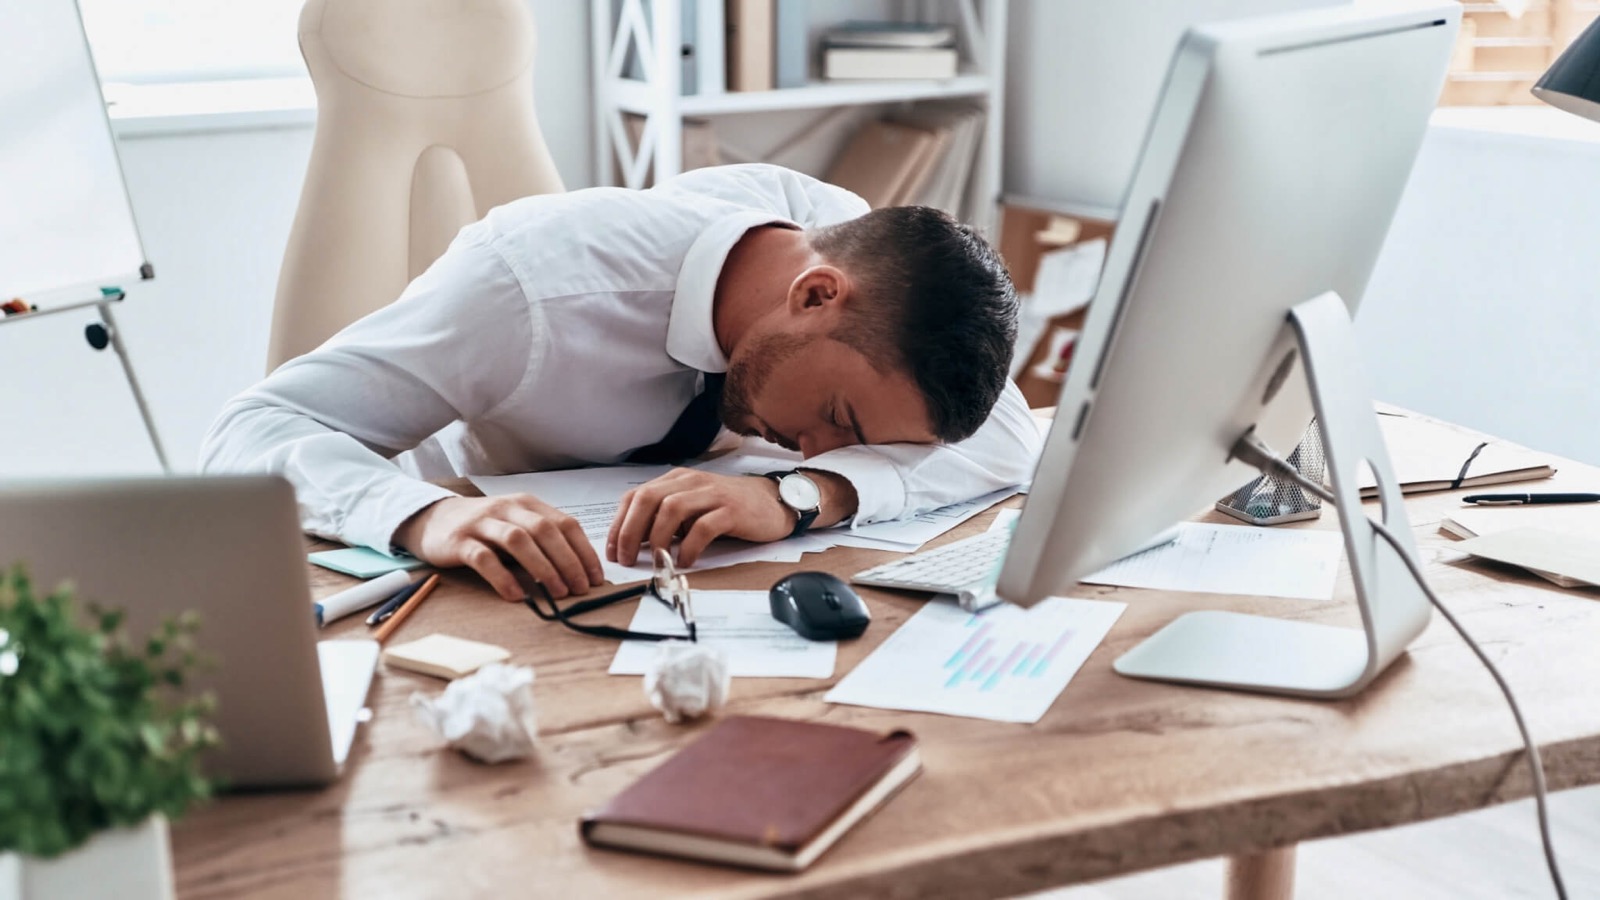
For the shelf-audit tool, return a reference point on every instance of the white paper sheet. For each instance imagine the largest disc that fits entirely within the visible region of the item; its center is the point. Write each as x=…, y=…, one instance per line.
x=741, y=624
x=592, y=496
x=1006, y=663
x=909, y=534
x=1235, y=559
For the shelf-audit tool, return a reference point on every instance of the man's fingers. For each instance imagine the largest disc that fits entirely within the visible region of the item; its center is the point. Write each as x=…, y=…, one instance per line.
x=557, y=549
x=675, y=512
x=706, y=529
x=521, y=546
x=636, y=523
x=586, y=555
x=616, y=525
x=481, y=558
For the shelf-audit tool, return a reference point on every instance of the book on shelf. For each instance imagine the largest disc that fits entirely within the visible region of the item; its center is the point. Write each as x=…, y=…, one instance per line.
x=792, y=57
x=701, y=34
x=881, y=160
x=945, y=186
x=876, y=63
x=750, y=45
x=914, y=35
x=760, y=792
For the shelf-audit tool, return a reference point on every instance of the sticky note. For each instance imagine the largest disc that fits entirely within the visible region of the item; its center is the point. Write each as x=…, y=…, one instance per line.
x=443, y=656
x=363, y=562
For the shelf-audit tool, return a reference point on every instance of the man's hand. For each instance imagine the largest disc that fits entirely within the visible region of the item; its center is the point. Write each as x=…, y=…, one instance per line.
x=699, y=507
x=475, y=531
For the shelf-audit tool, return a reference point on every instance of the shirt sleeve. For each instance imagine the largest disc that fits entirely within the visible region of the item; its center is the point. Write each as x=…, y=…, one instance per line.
x=455, y=345
x=803, y=200
x=893, y=481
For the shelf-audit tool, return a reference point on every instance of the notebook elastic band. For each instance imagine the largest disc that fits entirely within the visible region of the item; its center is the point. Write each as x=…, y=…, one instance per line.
x=1454, y=485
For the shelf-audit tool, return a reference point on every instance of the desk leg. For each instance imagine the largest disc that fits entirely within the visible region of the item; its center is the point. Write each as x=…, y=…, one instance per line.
x=1262, y=876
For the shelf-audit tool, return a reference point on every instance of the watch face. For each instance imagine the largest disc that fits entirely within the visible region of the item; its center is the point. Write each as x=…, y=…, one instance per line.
x=799, y=492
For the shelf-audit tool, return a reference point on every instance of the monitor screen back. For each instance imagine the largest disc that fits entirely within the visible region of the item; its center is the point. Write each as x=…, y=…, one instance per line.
x=1272, y=168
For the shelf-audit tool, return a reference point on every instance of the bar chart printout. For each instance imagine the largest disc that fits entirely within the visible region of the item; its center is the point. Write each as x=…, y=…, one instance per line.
x=1006, y=663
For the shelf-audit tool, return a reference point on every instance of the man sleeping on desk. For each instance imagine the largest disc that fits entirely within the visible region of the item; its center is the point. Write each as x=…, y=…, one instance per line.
x=607, y=325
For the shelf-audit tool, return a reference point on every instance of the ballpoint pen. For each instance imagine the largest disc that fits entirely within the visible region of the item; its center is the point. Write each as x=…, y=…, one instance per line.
x=1523, y=499
x=382, y=613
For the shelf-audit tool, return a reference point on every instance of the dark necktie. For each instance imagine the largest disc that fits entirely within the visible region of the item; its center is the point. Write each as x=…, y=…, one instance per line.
x=694, y=431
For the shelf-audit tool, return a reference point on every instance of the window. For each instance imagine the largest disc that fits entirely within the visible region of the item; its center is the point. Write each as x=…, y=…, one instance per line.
x=193, y=40
x=1504, y=47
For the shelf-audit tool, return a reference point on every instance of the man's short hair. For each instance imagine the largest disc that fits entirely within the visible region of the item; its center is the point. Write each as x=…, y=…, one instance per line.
x=940, y=307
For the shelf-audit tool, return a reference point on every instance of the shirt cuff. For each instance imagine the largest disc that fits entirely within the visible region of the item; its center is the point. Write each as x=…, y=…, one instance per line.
x=383, y=509
x=880, y=492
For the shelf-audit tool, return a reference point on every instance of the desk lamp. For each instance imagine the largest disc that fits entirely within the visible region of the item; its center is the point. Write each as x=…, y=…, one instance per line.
x=1573, y=82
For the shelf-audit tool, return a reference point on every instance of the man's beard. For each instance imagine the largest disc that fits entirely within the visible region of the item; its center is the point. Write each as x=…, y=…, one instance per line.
x=748, y=375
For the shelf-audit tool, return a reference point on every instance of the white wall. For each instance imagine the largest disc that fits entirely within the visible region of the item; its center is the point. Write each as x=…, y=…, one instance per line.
x=1083, y=77
x=214, y=209
x=1485, y=305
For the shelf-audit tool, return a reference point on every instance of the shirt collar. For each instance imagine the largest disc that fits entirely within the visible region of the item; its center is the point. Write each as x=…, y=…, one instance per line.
x=691, y=335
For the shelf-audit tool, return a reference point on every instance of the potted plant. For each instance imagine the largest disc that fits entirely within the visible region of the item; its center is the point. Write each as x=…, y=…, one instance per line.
x=97, y=749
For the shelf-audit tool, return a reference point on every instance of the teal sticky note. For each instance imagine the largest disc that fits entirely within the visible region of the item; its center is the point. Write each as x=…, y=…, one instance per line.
x=363, y=562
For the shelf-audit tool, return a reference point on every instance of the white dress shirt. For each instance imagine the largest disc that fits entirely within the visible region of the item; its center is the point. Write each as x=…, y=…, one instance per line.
x=559, y=331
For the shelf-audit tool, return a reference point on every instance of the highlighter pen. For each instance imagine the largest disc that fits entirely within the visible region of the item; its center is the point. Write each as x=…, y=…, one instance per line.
x=382, y=613
x=360, y=597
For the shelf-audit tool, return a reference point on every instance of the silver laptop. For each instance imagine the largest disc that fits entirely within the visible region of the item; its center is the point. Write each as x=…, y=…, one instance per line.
x=230, y=549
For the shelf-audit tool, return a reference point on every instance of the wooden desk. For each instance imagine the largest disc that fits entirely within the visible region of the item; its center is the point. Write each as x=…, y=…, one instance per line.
x=1120, y=775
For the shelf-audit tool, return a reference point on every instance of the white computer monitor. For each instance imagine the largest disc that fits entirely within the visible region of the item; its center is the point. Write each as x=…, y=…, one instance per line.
x=1273, y=165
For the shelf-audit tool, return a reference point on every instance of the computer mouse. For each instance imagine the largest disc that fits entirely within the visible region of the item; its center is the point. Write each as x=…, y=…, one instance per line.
x=818, y=606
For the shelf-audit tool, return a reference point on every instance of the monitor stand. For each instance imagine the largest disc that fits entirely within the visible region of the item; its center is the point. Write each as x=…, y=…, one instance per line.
x=1279, y=656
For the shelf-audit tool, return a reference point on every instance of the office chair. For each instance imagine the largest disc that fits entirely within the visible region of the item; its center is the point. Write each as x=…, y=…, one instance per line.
x=425, y=122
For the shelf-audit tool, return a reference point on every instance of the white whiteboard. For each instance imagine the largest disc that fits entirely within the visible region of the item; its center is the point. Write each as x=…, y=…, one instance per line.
x=65, y=220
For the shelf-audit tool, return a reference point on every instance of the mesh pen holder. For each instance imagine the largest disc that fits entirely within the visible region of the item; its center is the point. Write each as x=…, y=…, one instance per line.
x=1271, y=501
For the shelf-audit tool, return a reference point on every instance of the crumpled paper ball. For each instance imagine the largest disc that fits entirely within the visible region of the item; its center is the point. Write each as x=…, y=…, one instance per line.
x=488, y=715
x=687, y=680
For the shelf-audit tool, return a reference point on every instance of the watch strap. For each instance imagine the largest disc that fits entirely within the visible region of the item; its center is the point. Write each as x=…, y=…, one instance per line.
x=803, y=517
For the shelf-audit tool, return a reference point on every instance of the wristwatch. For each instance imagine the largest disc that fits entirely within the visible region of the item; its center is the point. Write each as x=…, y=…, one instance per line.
x=801, y=495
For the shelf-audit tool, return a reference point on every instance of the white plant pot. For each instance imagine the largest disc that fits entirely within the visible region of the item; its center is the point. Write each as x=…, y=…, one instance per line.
x=124, y=863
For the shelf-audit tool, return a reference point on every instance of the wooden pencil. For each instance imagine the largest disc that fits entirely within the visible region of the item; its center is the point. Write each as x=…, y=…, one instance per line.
x=407, y=608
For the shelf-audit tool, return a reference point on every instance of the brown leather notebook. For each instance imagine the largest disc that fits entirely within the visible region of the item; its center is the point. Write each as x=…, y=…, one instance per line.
x=756, y=791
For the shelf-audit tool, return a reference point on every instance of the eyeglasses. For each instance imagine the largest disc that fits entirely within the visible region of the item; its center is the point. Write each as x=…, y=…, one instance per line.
x=667, y=585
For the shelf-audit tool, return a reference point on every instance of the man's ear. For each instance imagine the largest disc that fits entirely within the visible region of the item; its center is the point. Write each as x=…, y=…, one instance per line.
x=819, y=289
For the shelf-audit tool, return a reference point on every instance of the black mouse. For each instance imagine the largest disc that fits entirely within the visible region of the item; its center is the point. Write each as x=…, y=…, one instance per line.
x=818, y=606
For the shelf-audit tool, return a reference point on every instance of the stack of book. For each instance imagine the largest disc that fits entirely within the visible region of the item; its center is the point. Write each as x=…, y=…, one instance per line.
x=922, y=157
x=888, y=50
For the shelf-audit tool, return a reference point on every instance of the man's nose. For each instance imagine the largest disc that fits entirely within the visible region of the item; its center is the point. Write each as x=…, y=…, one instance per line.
x=812, y=444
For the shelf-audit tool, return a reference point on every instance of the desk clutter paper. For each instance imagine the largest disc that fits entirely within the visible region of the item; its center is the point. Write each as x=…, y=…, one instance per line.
x=903, y=535
x=1577, y=524
x=1235, y=559
x=1566, y=559
x=1005, y=663
x=592, y=496
x=740, y=623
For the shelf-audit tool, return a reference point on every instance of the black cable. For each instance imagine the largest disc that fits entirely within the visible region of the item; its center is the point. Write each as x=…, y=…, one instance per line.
x=1251, y=450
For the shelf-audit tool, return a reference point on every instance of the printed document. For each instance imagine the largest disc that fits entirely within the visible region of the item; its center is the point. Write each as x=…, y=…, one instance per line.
x=1235, y=559
x=592, y=496
x=741, y=624
x=1005, y=663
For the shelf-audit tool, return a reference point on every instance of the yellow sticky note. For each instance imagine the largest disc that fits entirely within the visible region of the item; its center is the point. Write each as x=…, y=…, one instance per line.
x=443, y=656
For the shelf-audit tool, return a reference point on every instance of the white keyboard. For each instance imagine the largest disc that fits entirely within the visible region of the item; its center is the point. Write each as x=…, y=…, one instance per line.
x=965, y=568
